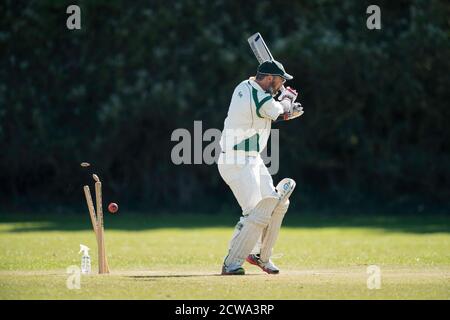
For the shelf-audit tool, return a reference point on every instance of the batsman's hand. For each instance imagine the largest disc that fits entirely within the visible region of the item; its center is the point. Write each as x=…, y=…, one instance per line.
x=287, y=105
x=288, y=94
x=295, y=112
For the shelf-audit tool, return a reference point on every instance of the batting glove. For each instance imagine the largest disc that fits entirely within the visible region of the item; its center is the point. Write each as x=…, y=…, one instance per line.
x=289, y=93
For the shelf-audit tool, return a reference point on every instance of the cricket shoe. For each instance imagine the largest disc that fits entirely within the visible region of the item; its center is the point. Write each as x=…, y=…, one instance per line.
x=232, y=270
x=268, y=267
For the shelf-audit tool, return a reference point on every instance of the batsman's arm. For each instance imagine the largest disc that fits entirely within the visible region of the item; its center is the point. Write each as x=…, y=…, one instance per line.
x=296, y=112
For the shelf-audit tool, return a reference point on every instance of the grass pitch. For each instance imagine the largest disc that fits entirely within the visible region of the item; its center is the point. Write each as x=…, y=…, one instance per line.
x=180, y=256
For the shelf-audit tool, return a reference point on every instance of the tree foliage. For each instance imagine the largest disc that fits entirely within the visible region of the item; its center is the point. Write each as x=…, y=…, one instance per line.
x=376, y=101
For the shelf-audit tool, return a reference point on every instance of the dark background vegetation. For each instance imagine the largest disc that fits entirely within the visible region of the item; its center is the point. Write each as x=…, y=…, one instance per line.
x=375, y=134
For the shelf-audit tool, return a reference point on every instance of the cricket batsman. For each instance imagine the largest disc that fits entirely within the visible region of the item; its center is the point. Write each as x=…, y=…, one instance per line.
x=252, y=110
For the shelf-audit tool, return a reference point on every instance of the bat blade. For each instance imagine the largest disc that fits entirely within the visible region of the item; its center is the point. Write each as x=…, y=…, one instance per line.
x=261, y=51
x=259, y=48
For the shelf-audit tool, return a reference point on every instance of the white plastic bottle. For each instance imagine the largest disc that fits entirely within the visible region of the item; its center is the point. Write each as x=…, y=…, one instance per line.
x=85, y=260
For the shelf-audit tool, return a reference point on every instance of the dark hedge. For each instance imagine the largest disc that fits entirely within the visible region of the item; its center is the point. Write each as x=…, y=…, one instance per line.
x=375, y=132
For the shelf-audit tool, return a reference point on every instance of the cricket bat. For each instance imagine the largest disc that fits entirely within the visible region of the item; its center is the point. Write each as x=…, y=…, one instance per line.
x=260, y=49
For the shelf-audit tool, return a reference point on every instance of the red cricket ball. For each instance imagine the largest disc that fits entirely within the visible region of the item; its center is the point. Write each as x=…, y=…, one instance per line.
x=113, y=207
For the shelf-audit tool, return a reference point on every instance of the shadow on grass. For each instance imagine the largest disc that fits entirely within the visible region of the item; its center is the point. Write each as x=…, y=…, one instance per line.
x=421, y=224
x=149, y=277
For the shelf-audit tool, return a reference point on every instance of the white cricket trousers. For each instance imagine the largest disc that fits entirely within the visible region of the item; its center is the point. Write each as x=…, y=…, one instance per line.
x=250, y=182
x=248, y=178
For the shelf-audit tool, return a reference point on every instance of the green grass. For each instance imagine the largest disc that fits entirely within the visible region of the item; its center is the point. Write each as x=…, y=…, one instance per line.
x=180, y=256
